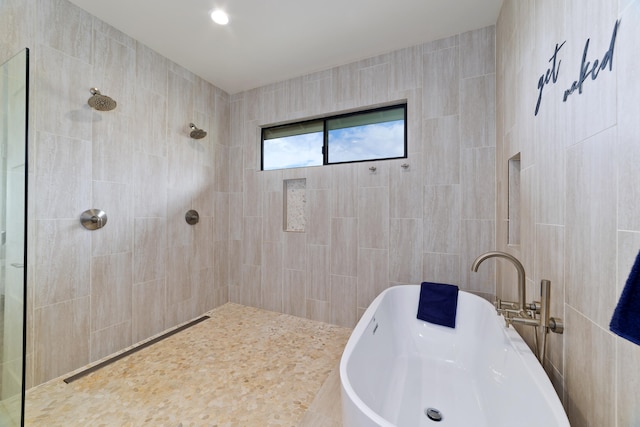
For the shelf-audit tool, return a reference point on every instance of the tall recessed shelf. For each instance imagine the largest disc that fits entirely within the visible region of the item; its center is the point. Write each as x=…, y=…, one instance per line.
x=295, y=199
x=514, y=201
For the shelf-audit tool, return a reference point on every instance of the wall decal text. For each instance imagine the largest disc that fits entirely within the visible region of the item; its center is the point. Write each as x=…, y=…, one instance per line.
x=587, y=69
x=552, y=73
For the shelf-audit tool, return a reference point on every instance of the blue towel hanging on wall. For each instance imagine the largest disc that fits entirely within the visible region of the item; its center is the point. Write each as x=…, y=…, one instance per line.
x=626, y=317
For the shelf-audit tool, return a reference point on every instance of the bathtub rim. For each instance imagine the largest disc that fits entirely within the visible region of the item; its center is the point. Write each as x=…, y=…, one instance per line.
x=345, y=384
x=520, y=347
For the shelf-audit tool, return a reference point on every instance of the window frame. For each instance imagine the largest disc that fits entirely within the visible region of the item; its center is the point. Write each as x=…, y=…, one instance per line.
x=325, y=138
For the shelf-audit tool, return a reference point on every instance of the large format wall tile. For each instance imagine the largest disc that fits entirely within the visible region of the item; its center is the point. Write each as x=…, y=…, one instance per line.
x=62, y=83
x=62, y=262
x=318, y=264
x=114, y=68
x=63, y=177
x=113, y=148
x=110, y=290
x=150, y=186
x=344, y=246
x=203, y=245
x=628, y=156
x=293, y=293
x=628, y=382
x=441, y=268
x=252, y=241
x=319, y=224
x=374, y=84
x=406, y=68
x=477, y=237
x=62, y=338
x=151, y=71
x=477, y=52
x=591, y=234
x=373, y=217
x=149, y=249
x=478, y=183
x=250, y=286
x=373, y=275
x=148, y=309
x=405, y=188
x=590, y=371
x=74, y=37
x=110, y=340
x=17, y=19
x=295, y=251
x=343, y=300
x=441, y=150
x=273, y=221
x=441, y=83
x=272, y=276
x=477, y=111
x=405, y=251
x=442, y=219
x=344, y=191
x=115, y=236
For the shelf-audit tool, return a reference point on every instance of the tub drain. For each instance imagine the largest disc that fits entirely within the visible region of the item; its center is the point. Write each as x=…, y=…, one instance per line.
x=433, y=414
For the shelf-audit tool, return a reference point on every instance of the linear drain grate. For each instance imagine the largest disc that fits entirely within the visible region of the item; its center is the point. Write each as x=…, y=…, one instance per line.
x=133, y=350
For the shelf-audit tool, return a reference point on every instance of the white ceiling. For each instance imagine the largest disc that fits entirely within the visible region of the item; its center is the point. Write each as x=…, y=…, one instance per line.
x=272, y=40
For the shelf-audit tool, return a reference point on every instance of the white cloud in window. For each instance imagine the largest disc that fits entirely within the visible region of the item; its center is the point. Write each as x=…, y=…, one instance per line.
x=376, y=141
x=293, y=151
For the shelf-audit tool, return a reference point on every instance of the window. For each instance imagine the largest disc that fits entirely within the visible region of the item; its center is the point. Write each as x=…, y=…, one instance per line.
x=378, y=134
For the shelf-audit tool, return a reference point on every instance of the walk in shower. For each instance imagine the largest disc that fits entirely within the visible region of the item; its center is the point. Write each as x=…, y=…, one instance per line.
x=13, y=184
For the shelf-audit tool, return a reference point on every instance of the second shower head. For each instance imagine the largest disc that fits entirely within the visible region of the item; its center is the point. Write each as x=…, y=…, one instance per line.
x=100, y=102
x=196, y=133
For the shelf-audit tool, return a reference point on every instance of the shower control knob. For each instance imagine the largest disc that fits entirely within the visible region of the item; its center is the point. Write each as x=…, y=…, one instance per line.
x=92, y=219
x=192, y=217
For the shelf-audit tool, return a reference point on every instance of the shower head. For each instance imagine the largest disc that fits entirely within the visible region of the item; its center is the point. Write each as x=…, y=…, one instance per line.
x=196, y=133
x=100, y=102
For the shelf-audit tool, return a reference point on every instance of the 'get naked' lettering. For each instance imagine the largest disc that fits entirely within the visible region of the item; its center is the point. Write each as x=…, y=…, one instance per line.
x=587, y=69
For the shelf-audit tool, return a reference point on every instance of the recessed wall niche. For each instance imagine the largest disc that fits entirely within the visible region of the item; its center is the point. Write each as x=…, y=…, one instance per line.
x=295, y=199
x=514, y=201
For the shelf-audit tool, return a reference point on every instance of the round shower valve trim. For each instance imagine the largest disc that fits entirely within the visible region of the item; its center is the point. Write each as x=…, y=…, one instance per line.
x=192, y=217
x=93, y=219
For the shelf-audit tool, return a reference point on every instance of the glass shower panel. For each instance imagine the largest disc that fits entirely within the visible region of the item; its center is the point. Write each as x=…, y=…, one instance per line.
x=13, y=176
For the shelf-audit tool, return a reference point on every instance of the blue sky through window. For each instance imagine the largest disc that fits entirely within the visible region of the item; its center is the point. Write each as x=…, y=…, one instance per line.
x=374, y=141
x=293, y=151
x=367, y=135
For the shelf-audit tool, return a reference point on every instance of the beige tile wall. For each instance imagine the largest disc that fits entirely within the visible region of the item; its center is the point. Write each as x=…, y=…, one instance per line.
x=581, y=226
x=94, y=293
x=366, y=231
x=579, y=196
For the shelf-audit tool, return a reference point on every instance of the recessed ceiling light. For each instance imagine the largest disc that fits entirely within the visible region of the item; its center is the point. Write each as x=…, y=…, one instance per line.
x=219, y=17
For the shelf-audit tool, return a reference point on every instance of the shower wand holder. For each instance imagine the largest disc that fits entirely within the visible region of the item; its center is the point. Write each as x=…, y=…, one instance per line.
x=93, y=219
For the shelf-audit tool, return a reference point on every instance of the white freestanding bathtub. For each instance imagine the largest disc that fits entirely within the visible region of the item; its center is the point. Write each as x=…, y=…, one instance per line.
x=395, y=368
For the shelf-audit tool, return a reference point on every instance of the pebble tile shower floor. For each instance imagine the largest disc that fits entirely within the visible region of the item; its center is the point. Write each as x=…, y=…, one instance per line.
x=242, y=367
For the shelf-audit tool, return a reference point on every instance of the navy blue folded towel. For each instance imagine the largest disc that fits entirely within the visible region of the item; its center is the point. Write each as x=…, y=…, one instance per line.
x=438, y=303
x=626, y=317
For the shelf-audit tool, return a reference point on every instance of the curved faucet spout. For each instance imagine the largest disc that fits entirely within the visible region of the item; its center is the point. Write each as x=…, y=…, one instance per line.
x=517, y=264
